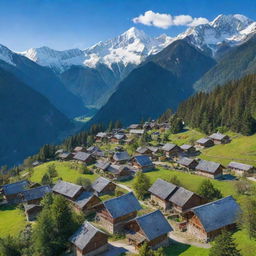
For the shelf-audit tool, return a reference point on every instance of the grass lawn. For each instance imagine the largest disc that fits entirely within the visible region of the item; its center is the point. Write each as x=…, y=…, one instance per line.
x=185, y=250
x=12, y=221
x=65, y=170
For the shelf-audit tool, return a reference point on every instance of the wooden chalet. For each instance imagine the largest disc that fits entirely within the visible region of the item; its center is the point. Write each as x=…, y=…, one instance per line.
x=121, y=157
x=120, y=172
x=65, y=156
x=34, y=195
x=115, y=213
x=209, y=169
x=219, y=138
x=134, y=126
x=101, y=136
x=69, y=190
x=143, y=151
x=89, y=241
x=188, y=163
x=188, y=150
x=207, y=221
x=32, y=211
x=151, y=228
x=183, y=200
x=118, y=138
x=79, y=149
x=143, y=163
x=241, y=169
x=204, y=143
x=137, y=132
x=160, y=193
x=84, y=157
x=171, y=150
x=103, y=186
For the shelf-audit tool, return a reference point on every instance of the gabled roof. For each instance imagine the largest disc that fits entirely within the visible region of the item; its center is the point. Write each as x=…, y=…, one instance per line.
x=64, y=155
x=207, y=166
x=153, y=225
x=119, y=136
x=142, y=150
x=15, y=188
x=122, y=205
x=203, y=140
x=101, y=134
x=78, y=148
x=153, y=149
x=66, y=188
x=217, y=214
x=36, y=193
x=84, y=235
x=92, y=149
x=83, y=199
x=143, y=160
x=185, y=161
x=102, y=165
x=186, y=146
x=100, y=183
x=121, y=156
x=240, y=166
x=168, y=146
x=134, y=126
x=137, y=131
x=162, y=189
x=181, y=196
x=218, y=136
x=81, y=156
x=28, y=207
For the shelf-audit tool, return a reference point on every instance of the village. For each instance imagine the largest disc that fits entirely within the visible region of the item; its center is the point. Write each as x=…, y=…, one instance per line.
x=169, y=213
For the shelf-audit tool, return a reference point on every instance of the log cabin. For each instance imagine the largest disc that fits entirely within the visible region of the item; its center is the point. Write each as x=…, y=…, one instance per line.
x=143, y=163
x=115, y=213
x=79, y=149
x=65, y=156
x=204, y=143
x=241, y=169
x=188, y=163
x=84, y=157
x=89, y=241
x=219, y=138
x=188, y=150
x=171, y=150
x=120, y=172
x=118, y=138
x=160, y=193
x=209, y=169
x=151, y=228
x=32, y=211
x=207, y=221
x=103, y=186
x=101, y=136
x=143, y=151
x=34, y=195
x=121, y=157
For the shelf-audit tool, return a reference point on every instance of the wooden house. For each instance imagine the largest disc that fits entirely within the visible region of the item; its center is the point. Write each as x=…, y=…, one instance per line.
x=79, y=149
x=143, y=163
x=143, y=151
x=120, y=172
x=183, y=199
x=209, y=169
x=32, y=211
x=65, y=156
x=207, y=221
x=121, y=157
x=134, y=126
x=160, y=193
x=241, y=169
x=171, y=150
x=101, y=136
x=34, y=195
x=103, y=186
x=204, y=143
x=219, y=138
x=118, y=138
x=188, y=163
x=89, y=241
x=86, y=202
x=188, y=150
x=137, y=132
x=84, y=157
x=115, y=213
x=151, y=228
x=69, y=190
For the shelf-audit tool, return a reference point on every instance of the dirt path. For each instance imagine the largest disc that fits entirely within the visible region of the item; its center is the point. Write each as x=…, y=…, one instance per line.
x=124, y=187
x=120, y=246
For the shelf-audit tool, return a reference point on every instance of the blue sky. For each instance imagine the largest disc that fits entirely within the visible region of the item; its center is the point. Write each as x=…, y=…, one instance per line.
x=64, y=24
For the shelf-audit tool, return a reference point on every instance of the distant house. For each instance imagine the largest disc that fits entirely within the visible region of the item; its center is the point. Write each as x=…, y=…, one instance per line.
x=151, y=228
x=116, y=212
x=241, y=169
x=86, y=202
x=103, y=186
x=219, y=138
x=69, y=190
x=118, y=138
x=92, y=149
x=88, y=240
x=32, y=211
x=204, y=143
x=144, y=151
x=188, y=150
x=84, y=157
x=183, y=199
x=36, y=163
x=209, y=169
x=143, y=163
x=207, y=221
x=34, y=195
x=161, y=191
x=121, y=157
x=137, y=132
x=65, y=156
x=12, y=190
x=171, y=150
x=120, y=172
x=102, y=165
x=100, y=136
x=79, y=149
x=134, y=126
x=188, y=163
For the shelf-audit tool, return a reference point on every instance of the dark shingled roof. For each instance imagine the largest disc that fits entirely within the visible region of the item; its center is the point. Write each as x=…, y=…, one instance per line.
x=185, y=161
x=28, y=207
x=207, y=166
x=100, y=183
x=81, y=156
x=186, y=146
x=122, y=205
x=121, y=156
x=66, y=188
x=142, y=150
x=240, y=166
x=181, y=196
x=217, y=214
x=154, y=224
x=64, y=155
x=203, y=140
x=143, y=160
x=168, y=146
x=83, y=199
x=92, y=149
x=36, y=193
x=84, y=235
x=153, y=149
x=217, y=136
x=162, y=189
x=102, y=165
x=15, y=188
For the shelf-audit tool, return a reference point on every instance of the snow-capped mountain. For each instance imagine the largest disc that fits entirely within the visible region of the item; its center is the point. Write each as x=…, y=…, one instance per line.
x=131, y=47
x=230, y=29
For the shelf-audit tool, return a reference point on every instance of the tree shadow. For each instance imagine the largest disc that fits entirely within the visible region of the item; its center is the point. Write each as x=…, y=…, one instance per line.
x=176, y=249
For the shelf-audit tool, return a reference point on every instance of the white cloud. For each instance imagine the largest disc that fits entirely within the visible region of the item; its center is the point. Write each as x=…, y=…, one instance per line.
x=164, y=20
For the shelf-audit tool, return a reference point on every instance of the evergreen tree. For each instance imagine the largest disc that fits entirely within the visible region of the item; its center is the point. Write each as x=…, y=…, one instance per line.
x=141, y=184
x=46, y=179
x=52, y=171
x=208, y=191
x=9, y=247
